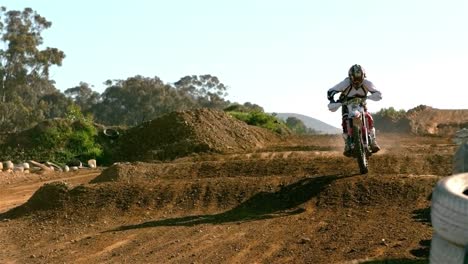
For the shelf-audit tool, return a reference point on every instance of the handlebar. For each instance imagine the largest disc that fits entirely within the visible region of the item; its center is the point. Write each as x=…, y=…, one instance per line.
x=334, y=105
x=354, y=100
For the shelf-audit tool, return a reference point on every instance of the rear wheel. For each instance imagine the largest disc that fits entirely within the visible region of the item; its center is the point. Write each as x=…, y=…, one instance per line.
x=359, y=150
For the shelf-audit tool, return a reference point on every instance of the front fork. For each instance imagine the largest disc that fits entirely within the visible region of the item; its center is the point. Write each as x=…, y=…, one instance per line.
x=362, y=123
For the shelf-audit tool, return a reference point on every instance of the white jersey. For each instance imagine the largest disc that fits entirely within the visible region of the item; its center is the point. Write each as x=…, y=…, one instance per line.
x=376, y=95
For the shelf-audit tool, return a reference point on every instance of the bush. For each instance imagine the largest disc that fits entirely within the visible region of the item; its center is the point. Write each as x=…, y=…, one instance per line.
x=82, y=143
x=261, y=119
x=390, y=113
x=298, y=127
x=246, y=107
x=51, y=134
x=57, y=140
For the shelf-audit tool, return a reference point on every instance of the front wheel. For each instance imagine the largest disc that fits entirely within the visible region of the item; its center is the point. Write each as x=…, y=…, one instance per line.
x=359, y=151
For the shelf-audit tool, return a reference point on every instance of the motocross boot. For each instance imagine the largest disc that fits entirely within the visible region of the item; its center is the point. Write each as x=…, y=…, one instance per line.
x=373, y=142
x=347, y=149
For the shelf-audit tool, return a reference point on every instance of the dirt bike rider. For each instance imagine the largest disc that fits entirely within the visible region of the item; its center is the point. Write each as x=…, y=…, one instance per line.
x=355, y=85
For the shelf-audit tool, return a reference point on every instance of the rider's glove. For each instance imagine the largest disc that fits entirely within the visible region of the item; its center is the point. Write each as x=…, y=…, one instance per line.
x=330, y=95
x=375, y=97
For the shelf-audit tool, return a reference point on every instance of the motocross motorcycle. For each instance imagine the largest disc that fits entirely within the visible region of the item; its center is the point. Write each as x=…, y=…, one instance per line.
x=358, y=133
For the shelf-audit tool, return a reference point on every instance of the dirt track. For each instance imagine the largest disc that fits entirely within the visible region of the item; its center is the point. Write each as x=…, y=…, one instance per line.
x=299, y=201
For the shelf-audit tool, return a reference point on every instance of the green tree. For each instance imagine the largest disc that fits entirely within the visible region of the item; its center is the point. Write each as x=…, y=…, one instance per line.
x=138, y=99
x=135, y=100
x=24, y=68
x=206, y=90
x=83, y=96
x=53, y=105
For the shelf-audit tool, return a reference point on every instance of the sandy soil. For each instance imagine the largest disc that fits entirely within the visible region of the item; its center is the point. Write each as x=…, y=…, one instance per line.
x=298, y=201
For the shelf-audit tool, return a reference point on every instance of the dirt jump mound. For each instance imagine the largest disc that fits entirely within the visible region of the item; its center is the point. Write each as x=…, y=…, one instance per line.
x=178, y=134
x=51, y=196
x=241, y=194
x=376, y=191
x=425, y=120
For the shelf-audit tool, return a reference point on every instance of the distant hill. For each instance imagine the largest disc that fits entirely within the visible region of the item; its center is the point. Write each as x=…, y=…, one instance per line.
x=310, y=122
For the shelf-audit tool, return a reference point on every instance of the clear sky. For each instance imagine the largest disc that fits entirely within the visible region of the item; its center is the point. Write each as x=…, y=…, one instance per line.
x=282, y=55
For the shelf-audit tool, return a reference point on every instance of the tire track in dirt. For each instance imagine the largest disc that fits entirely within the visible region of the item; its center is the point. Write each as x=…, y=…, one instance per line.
x=111, y=246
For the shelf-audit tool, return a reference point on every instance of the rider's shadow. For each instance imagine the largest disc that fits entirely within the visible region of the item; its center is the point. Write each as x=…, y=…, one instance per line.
x=263, y=205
